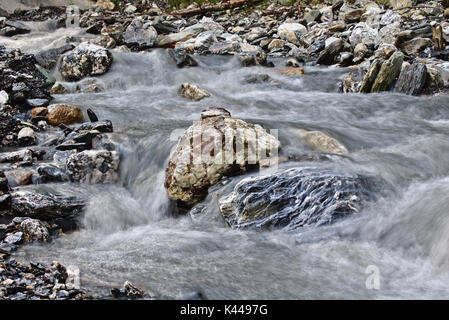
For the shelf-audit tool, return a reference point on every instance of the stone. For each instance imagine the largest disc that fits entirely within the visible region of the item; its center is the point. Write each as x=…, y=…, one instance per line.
x=14, y=238
x=319, y=141
x=362, y=33
x=35, y=230
x=58, y=88
x=352, y=81
x=311, y=16
x=291, y=32
x=181, y=58
x=415, y=46
x=64, y=114
x=337, y=26
x=26, y=136
x=446, y=13
x=44, y=206
x=25, y=156
x=419, y=31
x=354, y=15
x=257, y=78
x=290, y=71
x=412, y=79
x=3, y=97
x=204, y=40
x=192, y=92
x=438, y=40
x=140, y=38
x=330, y=54
x=106, y=41
x=85, y=60
x=295, y=198
x=129, y=290
x=93, y=166
x=48, y=58
x=276, y=44
x=14, y=28
x=33, y=103
x=388, y=72
x=52, y=174
x=194, y=167
x=387, y=34
x=130, y=9
x=371, y=75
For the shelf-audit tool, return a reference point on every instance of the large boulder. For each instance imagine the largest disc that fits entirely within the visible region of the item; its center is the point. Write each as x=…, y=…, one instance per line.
x=93, y=166
x=296, y=198
x=64, y=114
x=85, y=60
x=49, y=58
x=291, y=32
x=35, y=230
x=140, y=35
x=216, y=146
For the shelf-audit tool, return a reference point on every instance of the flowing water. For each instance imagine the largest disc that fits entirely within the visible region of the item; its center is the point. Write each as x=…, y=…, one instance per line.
x=130, y=230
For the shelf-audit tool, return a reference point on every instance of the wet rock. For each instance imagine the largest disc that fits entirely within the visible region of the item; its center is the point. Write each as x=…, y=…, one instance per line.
x=352, y=81
x=412, y=79
x=181, y=58
x=290, y=71
x=39, y=112
x=257, y=78
x=371, y=75
x=93, y=166
x=92, y=116
x=85, y=60
x=13, y=28
x=44, y=206
x=128, y=291
x=33, y=103
x=17, y=156
x=20, y=77
x=23, y=177
x=291, y=32
x=64, y=114
x=192, y=92
x=35, y=230
x=52, y=174
x=140, y=36
x=330, y=54
x=106, y=41
x=388, y=73
x=48, y=58
x=193, y=167
x=26, y=136
x=58, y=88
x=319, y=141
x=295, y=198
x=14, y=238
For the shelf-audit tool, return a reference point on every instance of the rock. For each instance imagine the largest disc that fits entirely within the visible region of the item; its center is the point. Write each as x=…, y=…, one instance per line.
x=130, y=9
x=58, y=88
x=371, y=75
x=106, y=41
x=415, y=46
x=26, y=136
x=33, y=103
x=311, y=16
x=3, y=97
x=52, y=174
x=330, y=54
x=438, y=40
x=93, y=166
x=291, y=32
x=290, y=71
x=204, y=40
x=64, y=114
x=276, y=44
x=319, y=141
x=352, y=81
x=169, y=41
x=44, y=206
x=346, y=59
x=400, y=4
x=14, y=28
x=388, y=72
x=434, y=79
x=140, y=38
x=337, y=26
x=92, y=116
x=292, y=63
x=362, y=33
x=412, y=79
x=181, y=58
x=35, y=230
x=387, y=34
x=420, y=31
x=296, y=198
x=192, y=168
x=128, y=290
x=25, y=156
x=20, y=78
x=85, y=60
x=257, y=78
x=23, y=177
x=14, y=238
x=354, y=15
x=446, y=13
x=192, y=92
x=48, y=58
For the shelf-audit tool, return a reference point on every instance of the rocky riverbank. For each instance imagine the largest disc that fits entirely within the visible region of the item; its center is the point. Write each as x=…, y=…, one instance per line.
x=393, y=47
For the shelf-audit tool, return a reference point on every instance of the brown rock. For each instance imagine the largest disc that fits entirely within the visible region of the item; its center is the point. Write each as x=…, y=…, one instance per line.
x=437, y=37
x=354, y=15
x=64, y=114
x=290, y=71
x=39, y=112
x=23, y=177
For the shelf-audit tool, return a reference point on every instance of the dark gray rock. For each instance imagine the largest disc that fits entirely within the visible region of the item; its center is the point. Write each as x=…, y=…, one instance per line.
x=297, y=197
x=45, y=206
x=412, y=79
x=14, y=28
x=330, y=54
x=52, y=174
x=181, y=58
x=48, y=58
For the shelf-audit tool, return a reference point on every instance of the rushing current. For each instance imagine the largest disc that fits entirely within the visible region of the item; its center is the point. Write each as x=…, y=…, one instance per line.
x=131, y=230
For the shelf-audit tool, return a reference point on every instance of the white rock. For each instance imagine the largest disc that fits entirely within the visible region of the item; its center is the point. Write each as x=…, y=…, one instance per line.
x=3, y=97
x=26, y=134
x=288, y=31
